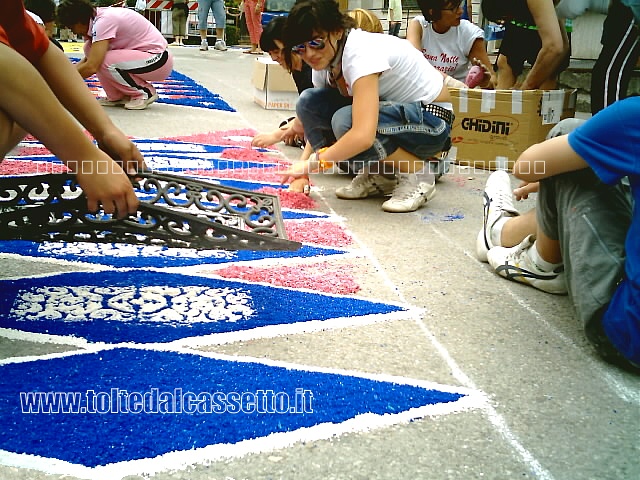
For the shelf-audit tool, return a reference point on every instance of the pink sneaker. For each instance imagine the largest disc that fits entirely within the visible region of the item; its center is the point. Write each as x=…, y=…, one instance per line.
x=105, y=102
x=140, y=103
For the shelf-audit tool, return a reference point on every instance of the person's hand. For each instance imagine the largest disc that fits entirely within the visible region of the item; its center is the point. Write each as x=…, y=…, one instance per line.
x=289, y=135
x=258, y=7
x=293, y=141
x=122, y=150
x=263, y=140
x=300, y=185
x=524, y=189
x=105, y=184
x=299, y=169
x=488, y=81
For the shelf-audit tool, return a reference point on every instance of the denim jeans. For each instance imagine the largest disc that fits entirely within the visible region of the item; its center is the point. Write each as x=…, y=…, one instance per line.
x=327, y=116
x=219, y=13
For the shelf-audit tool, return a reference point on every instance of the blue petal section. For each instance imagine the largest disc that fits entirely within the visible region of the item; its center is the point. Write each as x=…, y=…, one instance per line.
x=124, y=380
x=191, y=93
x=143, y=306
x=249, y=185
x=141, y=256
x=301, y=215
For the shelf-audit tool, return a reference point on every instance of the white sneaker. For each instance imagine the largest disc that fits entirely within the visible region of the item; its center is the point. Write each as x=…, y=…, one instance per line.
x=204, y=45
x=409, y=195
x=105, y=102
x=140, y=103
x=498, y=202
x=515, y=264
x=220, y=45
x=365, y=185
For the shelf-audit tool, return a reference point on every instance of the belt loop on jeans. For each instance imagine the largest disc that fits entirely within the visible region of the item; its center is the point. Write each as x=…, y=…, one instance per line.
x=440, y=112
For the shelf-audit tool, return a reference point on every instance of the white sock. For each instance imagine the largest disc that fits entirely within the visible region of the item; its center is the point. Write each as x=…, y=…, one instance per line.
x=425, y=176
x=540, y=262
x=496, y=230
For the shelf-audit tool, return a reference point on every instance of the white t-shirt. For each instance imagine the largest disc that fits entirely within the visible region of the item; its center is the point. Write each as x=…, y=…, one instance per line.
x=36, y=18
x=404, y=75
x=449, y=51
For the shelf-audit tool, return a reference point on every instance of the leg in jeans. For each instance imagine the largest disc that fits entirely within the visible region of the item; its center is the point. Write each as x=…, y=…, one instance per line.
x=590, y=220
x=315, y=109
x=220, y=16
x=406, y=137
x=405, y=126
x=203, y=15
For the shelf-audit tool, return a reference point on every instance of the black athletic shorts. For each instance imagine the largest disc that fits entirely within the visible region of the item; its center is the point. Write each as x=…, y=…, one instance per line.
x=521, y=44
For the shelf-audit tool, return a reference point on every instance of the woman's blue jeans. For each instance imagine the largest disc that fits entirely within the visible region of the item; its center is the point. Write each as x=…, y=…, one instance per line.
x=327, y=116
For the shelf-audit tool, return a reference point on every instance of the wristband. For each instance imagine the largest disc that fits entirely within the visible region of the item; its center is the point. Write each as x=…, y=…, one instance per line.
x=323, y=164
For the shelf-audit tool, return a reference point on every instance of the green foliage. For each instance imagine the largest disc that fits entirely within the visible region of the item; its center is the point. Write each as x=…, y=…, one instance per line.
x=232, y=35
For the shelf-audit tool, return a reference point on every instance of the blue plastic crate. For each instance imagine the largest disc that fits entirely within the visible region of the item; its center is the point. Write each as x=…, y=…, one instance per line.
x=276, y=8
x=267, y=16
x=493, y=32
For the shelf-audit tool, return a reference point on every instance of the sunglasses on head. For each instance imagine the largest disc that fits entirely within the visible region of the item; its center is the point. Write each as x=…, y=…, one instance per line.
x=315, y=44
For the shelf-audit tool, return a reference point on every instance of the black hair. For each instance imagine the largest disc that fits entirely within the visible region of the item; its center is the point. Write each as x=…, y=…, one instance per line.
x=71, y=12
x=436, y=7
x=308, y=18
x=45, y=9
x=272, y=31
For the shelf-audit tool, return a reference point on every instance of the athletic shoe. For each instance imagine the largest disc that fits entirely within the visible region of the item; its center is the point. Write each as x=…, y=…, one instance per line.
x=498, y=203
x=204, y=45
x=105, y=102
x=409, y=195
x=220, y=45
x=515, y=264
x=365, y=185
x=140, y=103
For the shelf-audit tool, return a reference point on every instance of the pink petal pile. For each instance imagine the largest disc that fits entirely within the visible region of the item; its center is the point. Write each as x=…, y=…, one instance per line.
x=323, y=277
x=318, y=232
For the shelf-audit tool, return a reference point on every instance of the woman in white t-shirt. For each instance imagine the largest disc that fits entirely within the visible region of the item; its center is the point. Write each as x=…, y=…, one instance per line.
x=376, y=104
x=124, y=50
x=448, y=42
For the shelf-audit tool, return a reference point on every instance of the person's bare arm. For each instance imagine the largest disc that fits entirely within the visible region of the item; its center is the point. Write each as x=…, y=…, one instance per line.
x=546, y=159
x=34, y=107
x=361, y=135
x=478, y=56
x=555, y=45
x=263, y=140
x=71, y=90
x=91, y=63
x=414, y=34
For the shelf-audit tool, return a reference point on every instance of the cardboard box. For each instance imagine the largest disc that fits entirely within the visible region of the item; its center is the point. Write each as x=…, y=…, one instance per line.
x=493, y=127
x=273, y=86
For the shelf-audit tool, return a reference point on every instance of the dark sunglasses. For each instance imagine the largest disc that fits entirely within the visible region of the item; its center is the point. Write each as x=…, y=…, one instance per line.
x=315, y=44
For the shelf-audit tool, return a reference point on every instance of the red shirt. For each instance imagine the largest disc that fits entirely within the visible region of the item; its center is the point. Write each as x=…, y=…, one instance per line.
x=20, y=32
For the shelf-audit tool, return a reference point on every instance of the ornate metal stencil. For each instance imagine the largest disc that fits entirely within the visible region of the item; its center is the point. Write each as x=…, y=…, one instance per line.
x=174, y=211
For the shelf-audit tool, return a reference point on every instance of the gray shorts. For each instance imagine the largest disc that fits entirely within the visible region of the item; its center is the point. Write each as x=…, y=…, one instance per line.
x=591, y=221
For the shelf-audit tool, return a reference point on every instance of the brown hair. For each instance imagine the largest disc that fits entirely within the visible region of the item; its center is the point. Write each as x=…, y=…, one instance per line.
x=366, y=20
